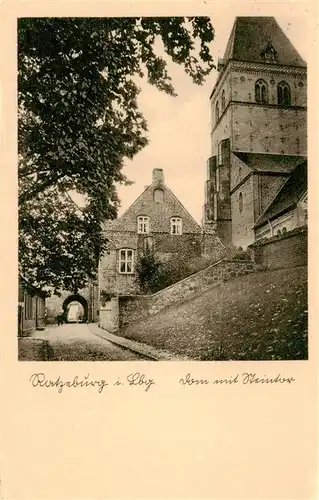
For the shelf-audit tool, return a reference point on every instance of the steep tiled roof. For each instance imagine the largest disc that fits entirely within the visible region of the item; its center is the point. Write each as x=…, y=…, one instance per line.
x=288, y=196
x=250, y=36
x=264, y=162
x=159, y=213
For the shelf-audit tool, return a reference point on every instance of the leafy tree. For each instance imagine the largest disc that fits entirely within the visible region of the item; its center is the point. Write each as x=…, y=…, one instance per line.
x=79, y=120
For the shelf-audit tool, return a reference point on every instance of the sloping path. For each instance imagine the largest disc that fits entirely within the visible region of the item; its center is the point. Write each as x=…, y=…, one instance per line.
x=78, y=342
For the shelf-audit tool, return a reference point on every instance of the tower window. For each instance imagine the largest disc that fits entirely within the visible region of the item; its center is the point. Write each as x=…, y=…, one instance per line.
x=176, y=225
x=217, y=112
x=158, y=195
x=223, y=100
x=261, y=92
x=143, y=226
x=240, y=202
x=283, y=94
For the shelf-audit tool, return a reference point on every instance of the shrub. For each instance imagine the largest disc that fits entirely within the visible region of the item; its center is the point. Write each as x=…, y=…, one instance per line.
x=149, y=272
x=154, y=275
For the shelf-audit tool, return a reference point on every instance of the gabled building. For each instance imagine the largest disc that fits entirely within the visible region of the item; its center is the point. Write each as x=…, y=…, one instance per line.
x=157, y=220
x=258, y=127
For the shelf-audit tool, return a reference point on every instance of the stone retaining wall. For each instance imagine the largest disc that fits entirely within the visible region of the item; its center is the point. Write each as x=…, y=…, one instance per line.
x=284, y=251
x=135, y=308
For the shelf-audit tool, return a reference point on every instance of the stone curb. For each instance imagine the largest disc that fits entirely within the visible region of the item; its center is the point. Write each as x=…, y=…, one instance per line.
x=138, y=347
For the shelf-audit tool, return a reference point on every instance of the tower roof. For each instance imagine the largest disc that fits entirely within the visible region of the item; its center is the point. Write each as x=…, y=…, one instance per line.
x=252, y=39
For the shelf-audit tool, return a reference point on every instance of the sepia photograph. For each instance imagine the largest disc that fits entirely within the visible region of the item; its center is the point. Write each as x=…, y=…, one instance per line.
x=162, y=168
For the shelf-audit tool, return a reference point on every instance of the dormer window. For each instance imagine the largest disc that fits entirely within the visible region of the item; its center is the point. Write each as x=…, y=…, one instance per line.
x=283, y=94
x=158, y=195
x=176, y=225
x=261, y=92
x=269, y=54
x=143, y=226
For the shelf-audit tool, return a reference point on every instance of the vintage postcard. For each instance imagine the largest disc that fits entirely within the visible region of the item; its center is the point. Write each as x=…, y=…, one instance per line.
x=159, y=171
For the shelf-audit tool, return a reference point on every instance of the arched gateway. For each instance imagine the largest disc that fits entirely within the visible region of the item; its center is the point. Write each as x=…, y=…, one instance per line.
x=86, y=297
x=76, y=298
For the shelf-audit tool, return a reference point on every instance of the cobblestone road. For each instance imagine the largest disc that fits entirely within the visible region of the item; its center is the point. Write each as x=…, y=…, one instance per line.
x=76, y=342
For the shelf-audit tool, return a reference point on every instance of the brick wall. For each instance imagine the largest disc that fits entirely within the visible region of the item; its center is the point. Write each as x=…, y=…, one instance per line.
x=239, y=170
x=109, y=315
x=289, y=250
x=243, y=221
x=135, y=308
x=263, y=129
x=188, y=247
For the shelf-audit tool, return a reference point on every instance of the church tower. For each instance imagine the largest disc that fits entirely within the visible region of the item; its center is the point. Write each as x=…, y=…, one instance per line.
x=258, y=126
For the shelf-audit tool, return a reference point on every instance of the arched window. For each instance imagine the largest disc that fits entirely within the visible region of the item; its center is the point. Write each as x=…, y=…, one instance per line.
x=240, y=202
x=261, y=92
x=158, y=195
x=217, y=112
x=283, y=94
x=223, y=100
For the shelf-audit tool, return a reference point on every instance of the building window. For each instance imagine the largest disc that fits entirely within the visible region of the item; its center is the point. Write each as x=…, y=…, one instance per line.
x=240, y=202
x=126, y=261
x=223, y=100
x=143, y=226
x=283, y=94
x=158, y=195
x=217, y=112
x=176, y=225
x=261, y=92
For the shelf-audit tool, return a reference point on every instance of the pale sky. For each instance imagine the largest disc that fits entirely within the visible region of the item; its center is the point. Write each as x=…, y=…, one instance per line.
x=179, y=127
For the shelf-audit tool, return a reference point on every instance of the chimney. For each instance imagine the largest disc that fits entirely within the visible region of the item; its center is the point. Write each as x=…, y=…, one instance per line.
x=158, y=176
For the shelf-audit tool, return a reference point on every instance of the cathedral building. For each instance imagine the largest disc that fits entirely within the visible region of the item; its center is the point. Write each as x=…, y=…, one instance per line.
x=258, y=130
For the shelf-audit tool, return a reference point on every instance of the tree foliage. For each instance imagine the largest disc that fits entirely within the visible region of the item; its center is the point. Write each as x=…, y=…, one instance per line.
x=79, y=120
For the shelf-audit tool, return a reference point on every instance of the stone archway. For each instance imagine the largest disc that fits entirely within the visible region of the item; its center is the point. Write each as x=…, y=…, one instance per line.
x=76, y=298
